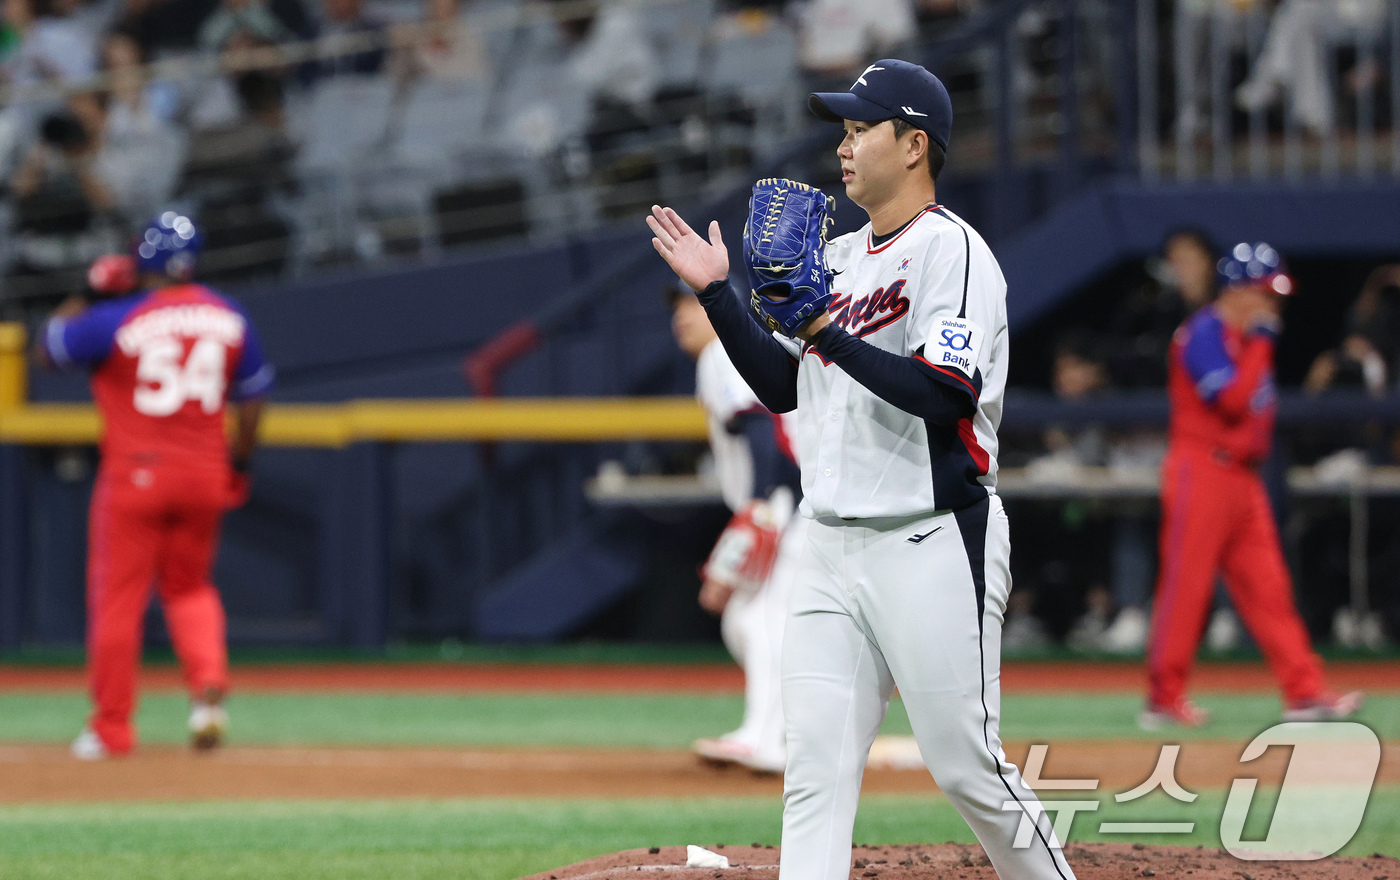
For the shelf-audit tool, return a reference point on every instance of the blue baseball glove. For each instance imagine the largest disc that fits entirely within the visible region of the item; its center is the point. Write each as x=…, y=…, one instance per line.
x=785, y=252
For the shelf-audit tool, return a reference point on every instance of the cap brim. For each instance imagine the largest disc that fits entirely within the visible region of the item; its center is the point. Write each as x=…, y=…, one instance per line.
x=840, y=106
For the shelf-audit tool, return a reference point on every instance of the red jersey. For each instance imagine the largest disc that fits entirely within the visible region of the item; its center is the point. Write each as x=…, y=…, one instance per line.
x=1221, y=385
x=163, y=364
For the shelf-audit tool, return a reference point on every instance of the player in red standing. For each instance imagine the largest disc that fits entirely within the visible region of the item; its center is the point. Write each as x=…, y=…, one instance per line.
x=164, y=361
x=1216, y=517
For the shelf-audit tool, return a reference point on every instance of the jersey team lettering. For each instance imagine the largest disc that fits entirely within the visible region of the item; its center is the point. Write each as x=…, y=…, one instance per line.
x=189, y=321
x=864, y=316
x=955, y=342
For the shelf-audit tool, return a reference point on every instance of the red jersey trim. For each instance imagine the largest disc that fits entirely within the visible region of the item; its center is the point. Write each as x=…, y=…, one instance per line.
x=869, y=236
x=947, y=372
x=974, y=449
x=780, y=436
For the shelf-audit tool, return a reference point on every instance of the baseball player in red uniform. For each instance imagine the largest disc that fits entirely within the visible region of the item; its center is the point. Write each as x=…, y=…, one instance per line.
x=1216, y=518
x=164, y=361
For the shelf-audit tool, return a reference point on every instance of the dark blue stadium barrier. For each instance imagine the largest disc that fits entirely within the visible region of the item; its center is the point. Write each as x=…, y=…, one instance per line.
x=14, y=540
x=1108, y=223
x=562, y=588
x=1123, y=409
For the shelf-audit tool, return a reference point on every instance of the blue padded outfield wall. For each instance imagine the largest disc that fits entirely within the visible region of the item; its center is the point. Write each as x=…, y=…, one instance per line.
x=378, y=542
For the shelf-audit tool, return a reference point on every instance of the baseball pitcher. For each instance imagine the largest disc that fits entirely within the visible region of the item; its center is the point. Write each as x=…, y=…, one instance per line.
x=891, y=344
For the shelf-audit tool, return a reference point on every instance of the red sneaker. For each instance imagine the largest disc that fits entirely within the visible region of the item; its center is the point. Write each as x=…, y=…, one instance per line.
x=1182, y=713
x=1326, y=706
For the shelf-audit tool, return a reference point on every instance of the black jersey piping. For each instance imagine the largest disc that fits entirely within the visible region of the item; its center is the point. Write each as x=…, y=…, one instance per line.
x=972, y=527
x=967, y=258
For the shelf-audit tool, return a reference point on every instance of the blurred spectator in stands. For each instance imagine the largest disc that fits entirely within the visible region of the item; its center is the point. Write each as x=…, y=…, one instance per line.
x=1297, y=55
x=1068, y=565
x=62, y=204
x=234, y=17
x=141, y=150
x=1368, y=354
x=1077, y=372
x=235, y=173
x=937, y=17
x=609, y=52
x=585, y=55
x=345, y=20
x=59, y=177
x=1179, y=281
x=248, y=157
x=840, y=37
x=9, y=41
x=53, y=47
x=1198, y=23
x=1367, y=357
x=444, y=46
x=162, y=26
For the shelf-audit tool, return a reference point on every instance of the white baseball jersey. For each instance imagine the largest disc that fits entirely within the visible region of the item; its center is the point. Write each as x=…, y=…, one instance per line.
x=724, y=394
x=933, y=291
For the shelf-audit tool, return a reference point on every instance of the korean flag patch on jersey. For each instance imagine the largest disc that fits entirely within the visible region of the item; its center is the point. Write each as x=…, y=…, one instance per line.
x=955, y=343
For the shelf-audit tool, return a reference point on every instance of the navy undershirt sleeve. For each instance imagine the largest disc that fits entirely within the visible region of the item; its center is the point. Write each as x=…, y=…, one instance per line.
x=771, y=468
x=900, y=381
x=767, y=367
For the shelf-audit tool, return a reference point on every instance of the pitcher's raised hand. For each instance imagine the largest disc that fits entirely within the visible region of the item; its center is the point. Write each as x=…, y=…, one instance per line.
x=697, y=262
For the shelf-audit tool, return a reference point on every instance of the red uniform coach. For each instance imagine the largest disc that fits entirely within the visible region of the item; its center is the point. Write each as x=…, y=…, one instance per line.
x=1216, y=518
x=164, y=360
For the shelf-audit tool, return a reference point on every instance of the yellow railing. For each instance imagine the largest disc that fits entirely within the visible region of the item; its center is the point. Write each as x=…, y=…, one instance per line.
x=14, y=374
x=565, y=419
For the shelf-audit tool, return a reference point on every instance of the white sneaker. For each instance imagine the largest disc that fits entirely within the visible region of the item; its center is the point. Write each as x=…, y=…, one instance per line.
x=88, y=747
x=1088, y=632
x=1223, y=633
x=1326, y=706
x=207, y=726
x=1128, y=634
x=1023, y=633
x=723, y=750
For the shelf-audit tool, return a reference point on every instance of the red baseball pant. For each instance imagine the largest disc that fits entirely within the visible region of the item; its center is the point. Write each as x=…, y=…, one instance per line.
x=149, y=527
x=1216, y=520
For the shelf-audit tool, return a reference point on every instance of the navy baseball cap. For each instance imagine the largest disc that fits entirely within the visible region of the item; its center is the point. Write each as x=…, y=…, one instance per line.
x=890, y=88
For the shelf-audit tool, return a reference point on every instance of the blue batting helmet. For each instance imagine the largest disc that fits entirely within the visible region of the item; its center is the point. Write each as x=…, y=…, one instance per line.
x=1255, y=264
x=169, y=246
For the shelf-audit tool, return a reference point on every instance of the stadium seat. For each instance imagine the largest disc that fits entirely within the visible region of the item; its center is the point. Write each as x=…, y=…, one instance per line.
x=346, y=118
x=679, y=30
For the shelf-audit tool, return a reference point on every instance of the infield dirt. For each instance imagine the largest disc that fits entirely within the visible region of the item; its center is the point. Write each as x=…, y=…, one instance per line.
x=36, y=774
x=1091, y=861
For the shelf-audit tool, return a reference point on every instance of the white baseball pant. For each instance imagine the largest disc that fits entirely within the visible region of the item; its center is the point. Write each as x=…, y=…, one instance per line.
x=752, y=628
x=916, y=602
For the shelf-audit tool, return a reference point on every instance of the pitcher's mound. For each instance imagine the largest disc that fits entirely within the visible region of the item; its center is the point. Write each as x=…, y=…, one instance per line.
x=1090, y=861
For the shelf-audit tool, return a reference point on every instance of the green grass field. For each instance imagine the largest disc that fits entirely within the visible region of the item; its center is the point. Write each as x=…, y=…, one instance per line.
x=623, y=721
x=495, y=839
x=502, y=839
